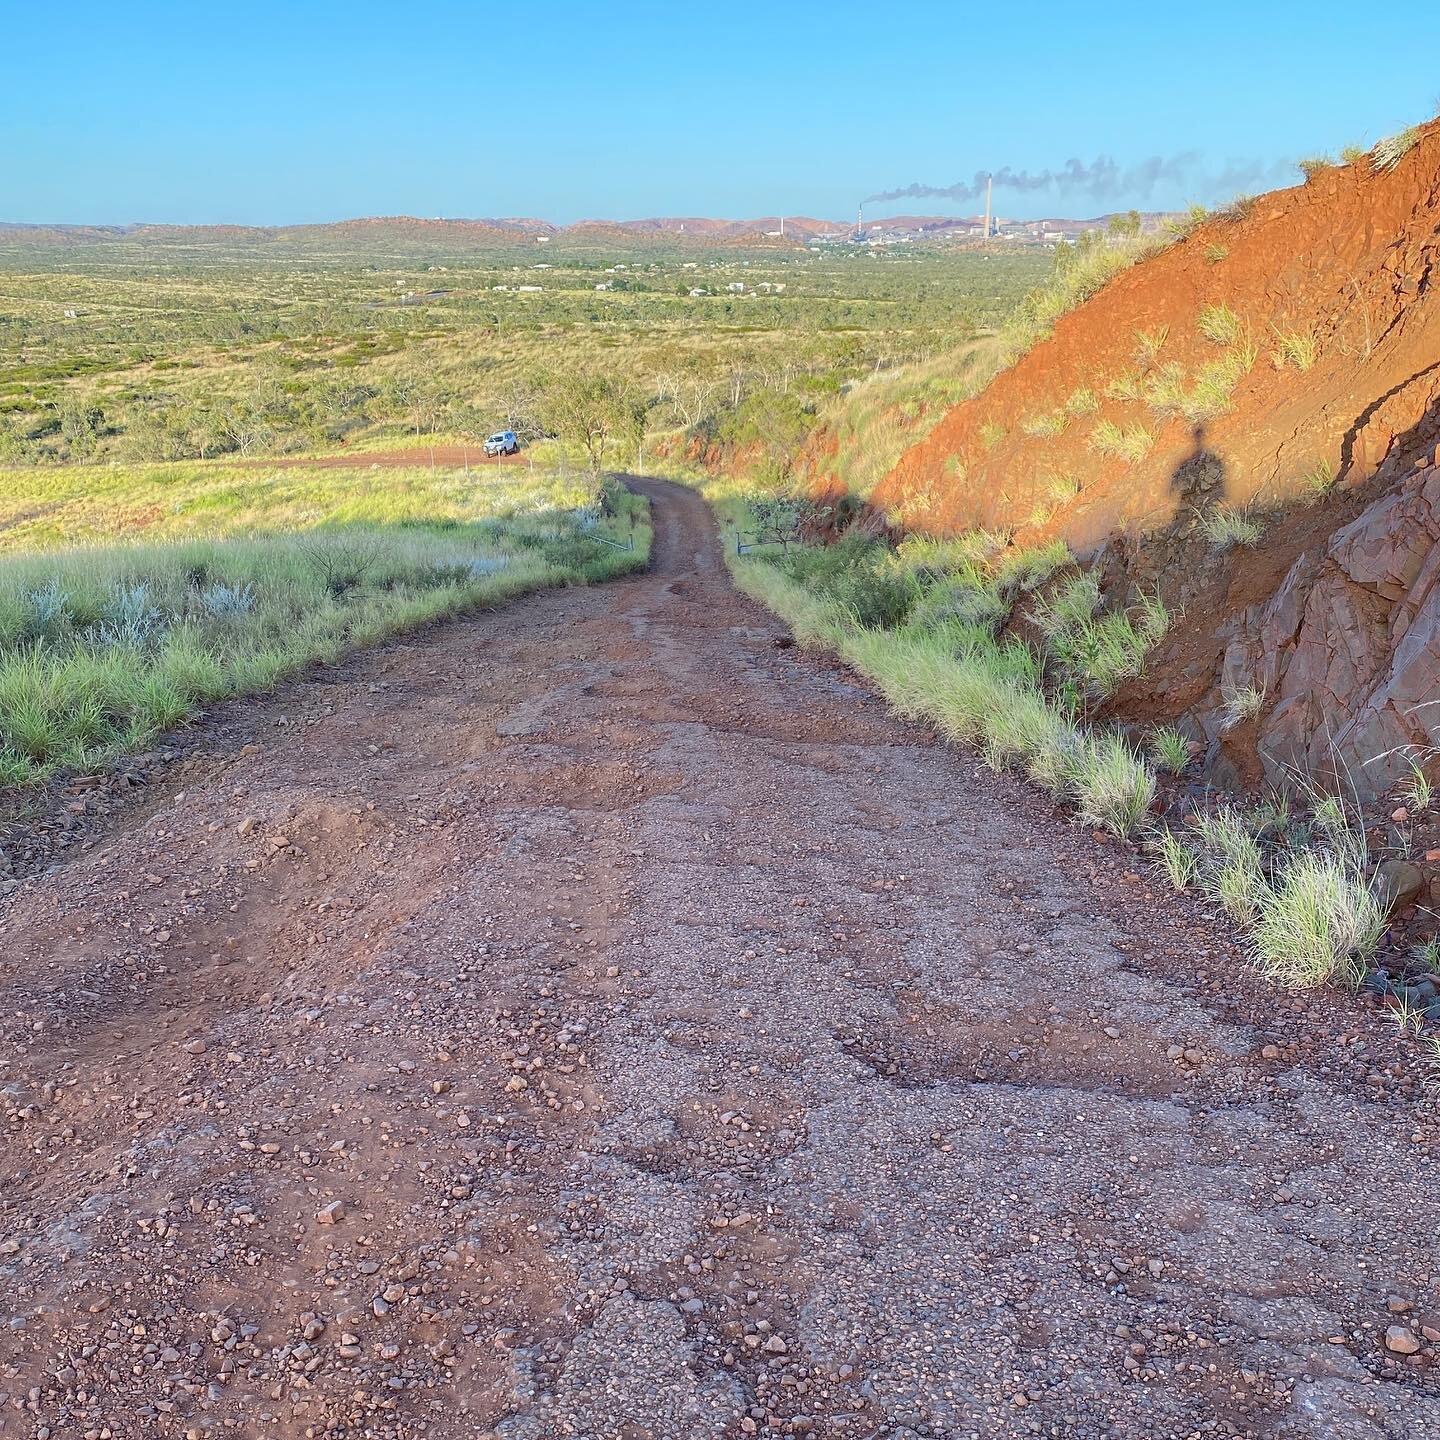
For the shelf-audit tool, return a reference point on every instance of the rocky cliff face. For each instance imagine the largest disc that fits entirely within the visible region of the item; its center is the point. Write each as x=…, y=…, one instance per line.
x=1347, y=649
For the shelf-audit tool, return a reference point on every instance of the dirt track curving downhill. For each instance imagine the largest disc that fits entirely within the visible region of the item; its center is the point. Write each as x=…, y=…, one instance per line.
x=598, y=1019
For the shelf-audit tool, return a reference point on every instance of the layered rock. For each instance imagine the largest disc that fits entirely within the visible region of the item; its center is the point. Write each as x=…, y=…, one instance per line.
x=1347, y=649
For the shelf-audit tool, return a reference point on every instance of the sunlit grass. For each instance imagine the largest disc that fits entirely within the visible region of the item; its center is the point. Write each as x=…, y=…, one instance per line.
x=104, y=646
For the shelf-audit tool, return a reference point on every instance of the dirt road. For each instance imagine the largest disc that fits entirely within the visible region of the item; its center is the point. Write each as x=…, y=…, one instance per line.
x=596, y=1019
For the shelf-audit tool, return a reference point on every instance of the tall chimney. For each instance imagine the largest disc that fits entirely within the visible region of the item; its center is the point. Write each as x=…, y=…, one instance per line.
x=782, y=227
x=989, y=185
x=859, y=221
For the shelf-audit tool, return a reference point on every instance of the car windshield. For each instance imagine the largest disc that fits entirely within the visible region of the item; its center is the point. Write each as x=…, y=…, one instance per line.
x=499, y=435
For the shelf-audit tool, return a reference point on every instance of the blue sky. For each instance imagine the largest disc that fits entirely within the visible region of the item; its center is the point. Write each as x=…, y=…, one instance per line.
x=268, y=113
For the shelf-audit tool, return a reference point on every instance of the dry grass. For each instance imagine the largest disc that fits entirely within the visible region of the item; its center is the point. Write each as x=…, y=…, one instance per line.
x=1225, y=526
x=1130, y=443
x=1299, y=348
x=1220, y=324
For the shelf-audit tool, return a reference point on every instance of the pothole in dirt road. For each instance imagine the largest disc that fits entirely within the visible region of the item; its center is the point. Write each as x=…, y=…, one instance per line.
x=595, y=785
x=949, y=1050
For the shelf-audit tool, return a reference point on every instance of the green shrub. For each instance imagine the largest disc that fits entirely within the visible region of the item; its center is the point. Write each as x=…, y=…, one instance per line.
x=960, y=600
x=856, y=575
x=879, y=597
x=1024, y=567
x=1093, y=655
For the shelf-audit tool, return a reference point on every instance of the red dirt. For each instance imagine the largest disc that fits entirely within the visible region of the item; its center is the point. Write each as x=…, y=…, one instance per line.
x=1349, y=256
x=595, y=1019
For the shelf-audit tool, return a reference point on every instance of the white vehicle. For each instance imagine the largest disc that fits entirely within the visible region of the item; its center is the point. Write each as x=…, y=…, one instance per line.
x=502, y=442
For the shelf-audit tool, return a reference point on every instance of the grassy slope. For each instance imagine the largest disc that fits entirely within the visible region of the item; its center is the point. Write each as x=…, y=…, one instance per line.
x=130, y=597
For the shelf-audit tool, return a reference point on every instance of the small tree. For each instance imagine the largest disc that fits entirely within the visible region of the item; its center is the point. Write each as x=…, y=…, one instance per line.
x=80, y=425
x=589, y=411
x=781, y=519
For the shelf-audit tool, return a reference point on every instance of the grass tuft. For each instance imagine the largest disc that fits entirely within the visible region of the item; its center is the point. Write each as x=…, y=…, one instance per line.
x=1225, y=526
x=1176, y=859
x=1220, y=324
x=1319, y=920
x=1319, y=479
x=1172, y=751
x=1050, y=423
x=1148, y=344
x=1393, y=149
x=1299, y=348
x=1419, y=790
x=1114, y=787
x=1243, y=703
x=1130, y=443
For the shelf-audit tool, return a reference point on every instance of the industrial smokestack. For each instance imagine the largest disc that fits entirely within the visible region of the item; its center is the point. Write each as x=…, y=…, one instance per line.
x=859, y=220
x=989, y=187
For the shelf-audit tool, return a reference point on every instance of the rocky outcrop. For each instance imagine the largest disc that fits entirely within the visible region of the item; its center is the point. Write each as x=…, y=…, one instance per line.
x=1347, y=649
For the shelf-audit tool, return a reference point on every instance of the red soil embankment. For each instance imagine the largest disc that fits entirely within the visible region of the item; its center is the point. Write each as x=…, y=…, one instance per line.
x=1334, y=614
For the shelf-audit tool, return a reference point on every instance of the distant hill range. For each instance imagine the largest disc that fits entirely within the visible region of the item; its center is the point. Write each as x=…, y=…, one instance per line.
x=406, y=234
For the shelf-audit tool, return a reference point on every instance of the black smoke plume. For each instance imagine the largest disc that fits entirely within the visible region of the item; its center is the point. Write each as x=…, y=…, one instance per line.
x=1101, y=179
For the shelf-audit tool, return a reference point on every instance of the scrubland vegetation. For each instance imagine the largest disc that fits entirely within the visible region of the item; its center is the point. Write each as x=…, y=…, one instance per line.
x=157, y=353
x=156, y=553
x=1012, y=648
x=923, y=621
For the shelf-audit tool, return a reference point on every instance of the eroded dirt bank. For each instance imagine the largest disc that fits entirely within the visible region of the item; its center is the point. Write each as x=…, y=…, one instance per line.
x=595, y=1019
